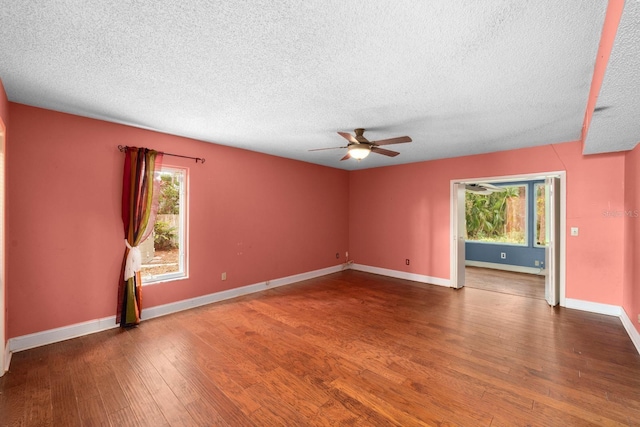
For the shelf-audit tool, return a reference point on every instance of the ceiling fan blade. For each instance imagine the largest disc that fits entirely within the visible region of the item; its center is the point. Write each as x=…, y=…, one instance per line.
x=491, y=187
x=477, y=190
x=346, y=157
x=322, y=149
x=384, y=152
x=348, y=137
x=398, y=140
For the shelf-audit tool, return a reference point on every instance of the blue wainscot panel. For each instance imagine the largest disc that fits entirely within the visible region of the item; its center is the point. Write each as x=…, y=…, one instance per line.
x=522, y=256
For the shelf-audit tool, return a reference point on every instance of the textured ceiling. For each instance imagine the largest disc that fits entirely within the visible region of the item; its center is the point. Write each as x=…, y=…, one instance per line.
x=282, y=77
x=617, y=115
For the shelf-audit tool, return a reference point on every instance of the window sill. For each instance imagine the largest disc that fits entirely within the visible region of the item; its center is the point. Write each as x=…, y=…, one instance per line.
x=164, y=279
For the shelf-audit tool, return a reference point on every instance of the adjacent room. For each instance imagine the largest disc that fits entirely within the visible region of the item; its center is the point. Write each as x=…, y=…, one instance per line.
x=507, y=234
x=319, y=213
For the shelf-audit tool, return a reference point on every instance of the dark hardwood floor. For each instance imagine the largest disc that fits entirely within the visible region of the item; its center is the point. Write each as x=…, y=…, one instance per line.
x=506, y=282
x=350, y=349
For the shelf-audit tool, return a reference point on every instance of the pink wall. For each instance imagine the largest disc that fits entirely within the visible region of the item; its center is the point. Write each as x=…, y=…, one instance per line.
x=403, y=212
x=255, y=217
x=631, y=291
x=260, y=217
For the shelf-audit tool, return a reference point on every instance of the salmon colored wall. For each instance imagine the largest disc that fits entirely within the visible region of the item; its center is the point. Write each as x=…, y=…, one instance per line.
x=631, y=291
x=255, y=217
x=403, y=212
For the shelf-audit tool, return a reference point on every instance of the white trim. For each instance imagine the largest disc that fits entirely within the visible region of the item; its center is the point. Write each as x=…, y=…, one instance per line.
x=563, y=237
x=402, y=275
x=50, y=336
x=593, y=307
x=631, y=330
x=456, y=250
x=506, y=267
x=7, y=359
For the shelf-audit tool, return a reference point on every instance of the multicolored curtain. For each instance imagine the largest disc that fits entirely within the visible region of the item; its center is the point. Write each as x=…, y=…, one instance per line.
x=140, y=192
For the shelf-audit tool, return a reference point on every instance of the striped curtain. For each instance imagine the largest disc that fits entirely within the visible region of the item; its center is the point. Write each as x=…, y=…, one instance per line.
x=139, y=207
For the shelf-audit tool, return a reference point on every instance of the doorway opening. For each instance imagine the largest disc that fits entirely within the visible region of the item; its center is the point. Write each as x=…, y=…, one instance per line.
x=514, y=242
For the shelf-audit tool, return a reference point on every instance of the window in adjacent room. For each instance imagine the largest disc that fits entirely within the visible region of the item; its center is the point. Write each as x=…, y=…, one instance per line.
x=164, y=252
x=499, y=217
x=540, y=231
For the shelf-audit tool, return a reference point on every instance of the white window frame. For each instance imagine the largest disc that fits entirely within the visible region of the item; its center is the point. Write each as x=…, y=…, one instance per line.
x=182, y=233
x=536, y=185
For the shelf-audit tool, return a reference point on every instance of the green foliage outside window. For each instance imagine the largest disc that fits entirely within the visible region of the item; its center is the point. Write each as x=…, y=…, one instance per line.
x=164, y=236
x=169, y=199
x=488, y=220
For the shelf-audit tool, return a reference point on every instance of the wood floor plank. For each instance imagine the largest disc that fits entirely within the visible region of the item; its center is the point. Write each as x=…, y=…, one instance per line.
x=508, y=282
x=63, y=400
x=125, y=417
x=15, y=391
x=92, y=412
x=349, y=348
x=234, y=408
x=110, y=391
x=134, y=390
x=381, y=406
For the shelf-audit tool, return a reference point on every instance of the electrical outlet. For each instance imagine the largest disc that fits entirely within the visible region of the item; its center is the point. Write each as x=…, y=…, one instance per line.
x=223, y=276
x=503, y=255
x=406, y=261
x=536, y=263
x=337, y=255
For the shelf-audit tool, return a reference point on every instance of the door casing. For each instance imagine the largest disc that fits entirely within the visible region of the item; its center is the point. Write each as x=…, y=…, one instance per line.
x=457, y=255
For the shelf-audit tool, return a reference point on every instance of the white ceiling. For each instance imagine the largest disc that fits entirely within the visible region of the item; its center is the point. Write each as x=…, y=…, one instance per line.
x=282, y=77
x=616, y=122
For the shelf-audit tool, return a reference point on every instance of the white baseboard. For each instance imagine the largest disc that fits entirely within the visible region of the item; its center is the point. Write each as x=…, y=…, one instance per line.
x=7, y=359
x=631, y=330
x=50, y=336
x=506, y=267
x=593, y=307
x=402, y=275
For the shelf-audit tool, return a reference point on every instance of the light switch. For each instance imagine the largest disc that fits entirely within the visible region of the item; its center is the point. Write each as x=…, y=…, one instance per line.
x=574, y=231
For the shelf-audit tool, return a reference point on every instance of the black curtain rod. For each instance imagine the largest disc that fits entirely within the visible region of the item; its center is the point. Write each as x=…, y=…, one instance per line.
x=123, y=148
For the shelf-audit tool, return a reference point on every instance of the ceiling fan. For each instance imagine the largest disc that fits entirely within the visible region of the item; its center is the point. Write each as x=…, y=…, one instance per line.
x=359, y=147
x=483, y=188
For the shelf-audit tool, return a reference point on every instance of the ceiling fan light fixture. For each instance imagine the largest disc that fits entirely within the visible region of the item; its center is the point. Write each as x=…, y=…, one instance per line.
x=359, y=151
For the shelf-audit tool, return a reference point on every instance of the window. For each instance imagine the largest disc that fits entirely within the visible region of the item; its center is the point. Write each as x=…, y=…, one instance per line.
x=541, y=230
x=163, y=253
x=499, y=217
